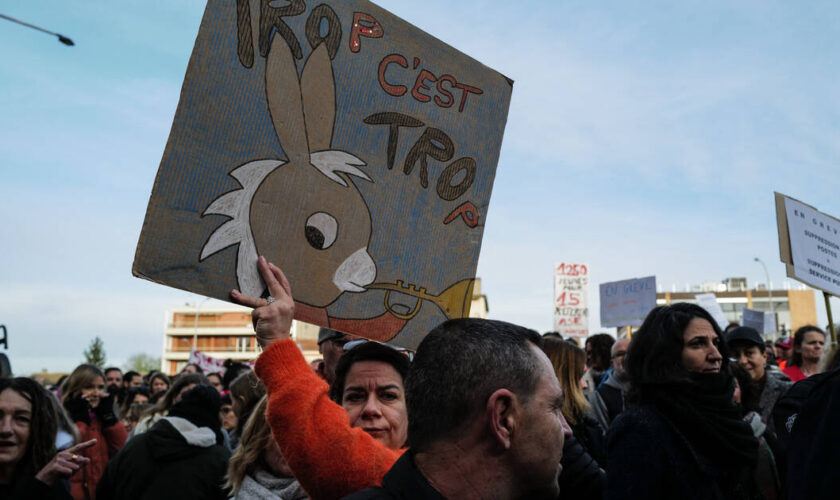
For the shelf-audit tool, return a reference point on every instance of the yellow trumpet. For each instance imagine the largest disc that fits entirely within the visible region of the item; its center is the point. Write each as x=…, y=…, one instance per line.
x=454, y=302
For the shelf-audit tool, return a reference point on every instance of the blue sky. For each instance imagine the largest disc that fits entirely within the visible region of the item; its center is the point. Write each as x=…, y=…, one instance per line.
x=644, y=138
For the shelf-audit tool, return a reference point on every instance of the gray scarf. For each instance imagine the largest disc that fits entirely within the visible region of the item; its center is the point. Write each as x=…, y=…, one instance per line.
x=265, y=486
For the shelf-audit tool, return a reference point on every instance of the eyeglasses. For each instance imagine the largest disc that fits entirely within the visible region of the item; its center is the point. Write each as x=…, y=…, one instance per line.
x=619, y=354
x=227, y=409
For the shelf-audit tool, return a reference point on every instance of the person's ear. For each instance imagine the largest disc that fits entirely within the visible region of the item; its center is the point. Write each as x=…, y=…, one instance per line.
x=502, y=414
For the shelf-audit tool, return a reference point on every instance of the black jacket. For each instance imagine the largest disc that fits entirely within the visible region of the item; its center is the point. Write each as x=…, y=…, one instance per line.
x=581, y=477
x=613, y=394
x=161, y=464
x=814, y=442
x=591, y=435
x=649, y=459
x=403, y=481
x=29, y=488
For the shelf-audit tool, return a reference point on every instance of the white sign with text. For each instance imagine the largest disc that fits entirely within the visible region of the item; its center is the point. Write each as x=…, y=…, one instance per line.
x=814, y=246
x=571, y=304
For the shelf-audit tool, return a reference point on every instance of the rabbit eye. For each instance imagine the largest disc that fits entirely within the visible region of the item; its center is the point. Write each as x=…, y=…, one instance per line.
x=321, y=229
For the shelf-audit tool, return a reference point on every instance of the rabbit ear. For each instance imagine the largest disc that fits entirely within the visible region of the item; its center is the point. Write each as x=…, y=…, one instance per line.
x=282, y=91
x=318, y=91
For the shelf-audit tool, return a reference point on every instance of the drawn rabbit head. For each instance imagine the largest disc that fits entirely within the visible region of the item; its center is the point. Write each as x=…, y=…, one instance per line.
x=304, y=214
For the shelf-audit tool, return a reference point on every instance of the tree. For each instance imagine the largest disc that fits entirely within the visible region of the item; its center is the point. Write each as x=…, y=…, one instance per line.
x=95, y=353
x=142, y=363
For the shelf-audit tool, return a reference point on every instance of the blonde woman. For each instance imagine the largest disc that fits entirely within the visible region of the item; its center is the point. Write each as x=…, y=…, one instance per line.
x=92, y=410
x=569, y=362
x=257, y=470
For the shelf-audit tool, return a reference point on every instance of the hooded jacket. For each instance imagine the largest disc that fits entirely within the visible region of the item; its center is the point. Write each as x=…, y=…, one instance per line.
x=613, y=392
x=775, y=386
x=174, y=459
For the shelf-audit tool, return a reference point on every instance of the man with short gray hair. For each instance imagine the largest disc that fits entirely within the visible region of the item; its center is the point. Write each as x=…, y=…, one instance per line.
x=614, y=390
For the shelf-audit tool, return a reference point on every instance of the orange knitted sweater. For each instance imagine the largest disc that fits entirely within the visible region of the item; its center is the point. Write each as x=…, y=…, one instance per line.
x=328, y=457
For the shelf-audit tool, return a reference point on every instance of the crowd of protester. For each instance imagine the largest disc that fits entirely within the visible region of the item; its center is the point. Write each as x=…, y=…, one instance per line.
x=483, y=409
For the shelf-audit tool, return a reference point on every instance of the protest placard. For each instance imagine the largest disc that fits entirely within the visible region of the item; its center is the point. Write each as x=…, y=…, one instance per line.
x=209, y=364
x=809, y=244
x=347, y=146
x=627, y=302
x=709, y=302
x=571, y=299
x=753, y=319
x=763, y=322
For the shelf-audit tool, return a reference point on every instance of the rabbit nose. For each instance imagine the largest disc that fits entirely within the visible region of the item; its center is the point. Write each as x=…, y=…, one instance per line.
x=355, y=272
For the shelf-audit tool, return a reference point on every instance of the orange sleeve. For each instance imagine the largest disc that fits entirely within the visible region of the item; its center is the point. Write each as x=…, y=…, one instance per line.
x=328, y=457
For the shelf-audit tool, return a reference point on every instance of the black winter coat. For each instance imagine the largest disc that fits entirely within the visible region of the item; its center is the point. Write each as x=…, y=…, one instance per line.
x=591, y=435
x=29, y=488
x=161, y=464
x=649, y=458
x=814, y=456
x=581, y=477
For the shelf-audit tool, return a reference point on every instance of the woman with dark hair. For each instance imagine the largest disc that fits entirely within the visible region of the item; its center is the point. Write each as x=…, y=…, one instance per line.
x=182, y=384
x=215, y=380
x=685, y=437
x=158, y=382
x=135, y=395
x=313, y=431
x=808, y=343
x=369, y=386
x=330, y=458
x=233, y=370
x=93, y=411
x=30, y=468
x=191, y=368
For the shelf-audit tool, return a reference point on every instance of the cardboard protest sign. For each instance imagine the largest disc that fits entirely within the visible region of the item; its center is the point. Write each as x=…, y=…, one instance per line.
x=762, y=322
x=627, y=302
x=571, y=299
x=709, y=302
x=345, y=145
x=809, y=244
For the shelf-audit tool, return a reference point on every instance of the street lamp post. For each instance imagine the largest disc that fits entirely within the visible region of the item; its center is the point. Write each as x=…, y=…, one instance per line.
x=61, y=38
x=769, y=293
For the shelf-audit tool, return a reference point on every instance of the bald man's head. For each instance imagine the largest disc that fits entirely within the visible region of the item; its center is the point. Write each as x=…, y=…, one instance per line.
x=617, y=354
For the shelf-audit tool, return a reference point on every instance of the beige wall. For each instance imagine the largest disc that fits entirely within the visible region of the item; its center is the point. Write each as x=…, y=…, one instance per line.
x=803, y=308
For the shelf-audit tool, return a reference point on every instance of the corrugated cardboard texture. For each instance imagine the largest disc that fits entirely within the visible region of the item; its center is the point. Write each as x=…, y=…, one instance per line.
x=347, y=146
